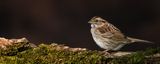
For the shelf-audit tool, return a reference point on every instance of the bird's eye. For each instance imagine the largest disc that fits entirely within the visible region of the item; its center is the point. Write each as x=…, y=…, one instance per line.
x=96, y=20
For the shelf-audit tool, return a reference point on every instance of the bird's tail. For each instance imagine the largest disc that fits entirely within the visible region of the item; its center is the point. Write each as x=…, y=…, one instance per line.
x=138, y=40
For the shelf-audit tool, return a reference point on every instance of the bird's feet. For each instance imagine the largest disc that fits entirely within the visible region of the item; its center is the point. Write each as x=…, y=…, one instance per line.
x=105, y=52
x=108, y=52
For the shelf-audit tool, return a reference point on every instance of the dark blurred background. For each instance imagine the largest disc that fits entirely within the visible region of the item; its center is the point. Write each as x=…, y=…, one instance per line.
x=65, y=21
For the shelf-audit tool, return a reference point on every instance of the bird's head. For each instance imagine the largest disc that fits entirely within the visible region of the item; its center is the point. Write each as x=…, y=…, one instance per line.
x=97, y=21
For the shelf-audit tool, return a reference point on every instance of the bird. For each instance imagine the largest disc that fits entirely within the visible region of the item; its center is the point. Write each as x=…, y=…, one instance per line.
x=109, y=37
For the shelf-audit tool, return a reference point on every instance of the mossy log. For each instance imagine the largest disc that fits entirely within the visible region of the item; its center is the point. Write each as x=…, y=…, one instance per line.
x=25, y=52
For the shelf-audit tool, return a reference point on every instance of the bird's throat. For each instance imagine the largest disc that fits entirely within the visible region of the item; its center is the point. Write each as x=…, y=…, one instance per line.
x=93, y=25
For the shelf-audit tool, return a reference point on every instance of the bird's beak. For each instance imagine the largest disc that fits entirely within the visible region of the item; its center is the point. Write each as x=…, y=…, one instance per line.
x=91, y=22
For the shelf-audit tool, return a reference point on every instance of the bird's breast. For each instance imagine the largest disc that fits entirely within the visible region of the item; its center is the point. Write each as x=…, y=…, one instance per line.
x=105, y=44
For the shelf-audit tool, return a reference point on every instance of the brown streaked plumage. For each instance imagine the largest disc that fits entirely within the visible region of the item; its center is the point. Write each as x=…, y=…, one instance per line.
x=109, y=37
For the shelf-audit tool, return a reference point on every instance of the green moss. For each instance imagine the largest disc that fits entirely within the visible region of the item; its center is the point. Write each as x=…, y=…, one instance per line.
x=44, y=54
x=137, y=58
x=47, y=54
x=23, y=53
x=15, y=48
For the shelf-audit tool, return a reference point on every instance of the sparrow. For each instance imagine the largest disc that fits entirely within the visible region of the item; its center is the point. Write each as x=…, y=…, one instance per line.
x=109, y=37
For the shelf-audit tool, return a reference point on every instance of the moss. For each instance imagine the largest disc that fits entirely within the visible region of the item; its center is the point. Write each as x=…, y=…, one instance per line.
x=47, y=54
x=44, y=54
x=23, y=53
x=15, y=48
x=138, y=58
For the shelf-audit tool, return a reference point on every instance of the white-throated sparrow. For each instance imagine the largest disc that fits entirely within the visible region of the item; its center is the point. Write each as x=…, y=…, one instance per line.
x=109, y=37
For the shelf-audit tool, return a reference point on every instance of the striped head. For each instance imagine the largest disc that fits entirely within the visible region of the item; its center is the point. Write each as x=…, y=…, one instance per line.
x=102, y=25
x=97, y=22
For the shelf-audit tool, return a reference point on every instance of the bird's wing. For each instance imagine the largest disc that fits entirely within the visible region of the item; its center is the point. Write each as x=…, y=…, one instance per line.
x=114, y=36
x=111, y=32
